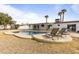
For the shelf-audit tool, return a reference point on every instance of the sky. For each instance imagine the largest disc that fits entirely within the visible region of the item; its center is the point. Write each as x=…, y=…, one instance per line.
x=34, y=13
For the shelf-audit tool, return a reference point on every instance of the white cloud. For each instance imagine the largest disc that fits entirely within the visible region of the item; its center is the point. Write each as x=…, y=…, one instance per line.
x=31, y=17
x=75, y=8
x=20, y=16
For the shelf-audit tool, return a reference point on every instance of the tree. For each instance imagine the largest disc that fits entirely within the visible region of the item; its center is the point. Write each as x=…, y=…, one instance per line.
x=17, y=26
x=63, y=11
x=60, y=13
x=46, y=16
x=13, y=24
x=5, y=19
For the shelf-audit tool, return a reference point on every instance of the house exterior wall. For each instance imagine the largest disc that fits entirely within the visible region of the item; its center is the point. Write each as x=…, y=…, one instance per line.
x=40, y=26
x=1, y=27
x=43, y=28
x=31, y=27
x=77, y=27
x=23, y=27
x=64, y=25
x=57, y=25
x=7, y=27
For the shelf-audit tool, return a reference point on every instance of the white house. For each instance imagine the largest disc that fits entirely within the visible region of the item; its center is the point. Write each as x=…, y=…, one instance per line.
x=23, y=26
x=40, y=26
x=70, y=25
x=7, y=27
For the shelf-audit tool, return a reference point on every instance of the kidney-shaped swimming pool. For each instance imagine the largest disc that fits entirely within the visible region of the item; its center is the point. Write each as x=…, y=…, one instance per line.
x=31, y=33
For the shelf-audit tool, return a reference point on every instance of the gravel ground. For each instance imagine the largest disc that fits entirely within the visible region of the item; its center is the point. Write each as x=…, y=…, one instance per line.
x=10, y=44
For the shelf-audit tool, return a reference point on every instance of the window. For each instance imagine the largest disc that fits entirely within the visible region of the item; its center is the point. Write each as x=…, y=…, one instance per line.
x=71, y=27
x=42, y=25
x=49, y=26
x=58, y=24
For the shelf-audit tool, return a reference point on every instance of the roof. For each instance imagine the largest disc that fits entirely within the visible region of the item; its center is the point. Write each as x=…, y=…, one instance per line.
x=67, y=22
x=57, y=22
x=41, y=23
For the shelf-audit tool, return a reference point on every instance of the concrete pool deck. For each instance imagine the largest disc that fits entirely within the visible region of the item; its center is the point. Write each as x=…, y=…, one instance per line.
x=43, y=38
x=73, y=34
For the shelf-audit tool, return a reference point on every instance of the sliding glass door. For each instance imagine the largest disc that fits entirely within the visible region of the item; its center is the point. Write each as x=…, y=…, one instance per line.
x=71, y=27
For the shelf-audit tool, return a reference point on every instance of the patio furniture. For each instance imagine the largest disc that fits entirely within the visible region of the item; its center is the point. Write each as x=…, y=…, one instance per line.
x=52, y=33
x=62, y=32
x=57, y=35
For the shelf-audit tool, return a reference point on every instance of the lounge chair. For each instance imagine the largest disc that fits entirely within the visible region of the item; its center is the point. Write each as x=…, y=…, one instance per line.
x=52, y=33
x=62, y=32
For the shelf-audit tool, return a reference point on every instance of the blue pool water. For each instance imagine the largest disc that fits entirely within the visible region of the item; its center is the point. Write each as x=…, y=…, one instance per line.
x=31, y=33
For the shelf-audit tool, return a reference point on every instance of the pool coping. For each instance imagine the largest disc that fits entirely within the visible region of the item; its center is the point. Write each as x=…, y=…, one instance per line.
x=18, y=35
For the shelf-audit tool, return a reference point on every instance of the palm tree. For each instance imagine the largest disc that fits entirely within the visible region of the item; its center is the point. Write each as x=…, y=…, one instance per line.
x=46, y=16
x=60, y=13
x=63, y=11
